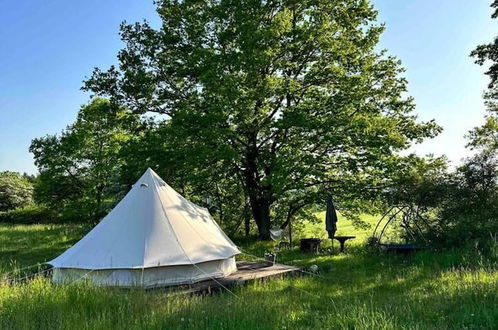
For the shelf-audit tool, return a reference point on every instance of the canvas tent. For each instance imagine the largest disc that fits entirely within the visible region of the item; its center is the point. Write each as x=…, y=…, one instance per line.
x=153, y=237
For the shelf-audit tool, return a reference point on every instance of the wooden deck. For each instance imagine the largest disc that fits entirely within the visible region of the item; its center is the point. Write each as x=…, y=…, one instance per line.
x=246, y=272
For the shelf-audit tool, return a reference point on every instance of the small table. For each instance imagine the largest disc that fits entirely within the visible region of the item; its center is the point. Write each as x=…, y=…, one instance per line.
x=342, y=240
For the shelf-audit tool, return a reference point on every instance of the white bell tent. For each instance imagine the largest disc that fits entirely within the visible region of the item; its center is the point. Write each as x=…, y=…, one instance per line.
x=153, y=237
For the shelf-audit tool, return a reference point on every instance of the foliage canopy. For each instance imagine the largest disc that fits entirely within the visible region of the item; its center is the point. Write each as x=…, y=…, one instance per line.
x=289, y=98
x=15, y=191
x=81, y=166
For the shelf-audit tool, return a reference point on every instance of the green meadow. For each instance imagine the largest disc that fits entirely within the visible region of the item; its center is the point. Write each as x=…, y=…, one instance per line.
x=316, y=227
x=356, y=290
x=258, y=113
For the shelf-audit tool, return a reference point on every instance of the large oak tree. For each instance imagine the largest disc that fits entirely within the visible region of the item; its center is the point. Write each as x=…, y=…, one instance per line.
x=291, y=98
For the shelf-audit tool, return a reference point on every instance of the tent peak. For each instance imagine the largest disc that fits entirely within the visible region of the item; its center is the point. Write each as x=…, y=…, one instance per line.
x=151, y=176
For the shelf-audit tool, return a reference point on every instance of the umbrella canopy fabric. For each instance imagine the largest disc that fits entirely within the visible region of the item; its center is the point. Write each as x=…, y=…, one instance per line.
x=330, y=218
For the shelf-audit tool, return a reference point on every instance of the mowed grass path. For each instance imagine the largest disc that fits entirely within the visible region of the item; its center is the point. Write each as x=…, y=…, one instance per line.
x=451, y=290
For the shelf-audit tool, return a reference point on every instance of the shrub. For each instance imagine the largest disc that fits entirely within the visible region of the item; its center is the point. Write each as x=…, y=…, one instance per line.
x=28, y=215
x=15, y=191
x=459, y=208
x=83, y=211
x=467, y=215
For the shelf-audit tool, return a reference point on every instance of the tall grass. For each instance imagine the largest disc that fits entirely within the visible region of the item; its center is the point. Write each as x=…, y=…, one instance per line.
x=451, y=290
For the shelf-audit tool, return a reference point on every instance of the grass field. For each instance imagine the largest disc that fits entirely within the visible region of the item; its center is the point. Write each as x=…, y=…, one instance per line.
x=344, y=227
x=450, y=290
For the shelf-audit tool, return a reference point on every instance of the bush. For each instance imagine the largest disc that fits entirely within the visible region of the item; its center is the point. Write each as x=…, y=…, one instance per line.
x=468, y=213
x=83, y=211
x=459, y=208
x=28, y=215
x=15, y=191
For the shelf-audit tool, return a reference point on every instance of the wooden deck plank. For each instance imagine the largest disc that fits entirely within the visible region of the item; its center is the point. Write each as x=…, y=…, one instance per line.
x=246, y=272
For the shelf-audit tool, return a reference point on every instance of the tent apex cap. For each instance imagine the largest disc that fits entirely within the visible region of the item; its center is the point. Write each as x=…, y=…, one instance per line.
x=149, y=170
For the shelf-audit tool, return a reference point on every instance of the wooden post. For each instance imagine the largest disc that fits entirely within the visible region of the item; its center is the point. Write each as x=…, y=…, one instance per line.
x=290, y=234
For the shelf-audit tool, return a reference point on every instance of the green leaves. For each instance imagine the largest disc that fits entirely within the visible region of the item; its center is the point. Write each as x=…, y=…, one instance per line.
x=485, y=138
x=15, y=191
x=289, y=99
x=84, y=161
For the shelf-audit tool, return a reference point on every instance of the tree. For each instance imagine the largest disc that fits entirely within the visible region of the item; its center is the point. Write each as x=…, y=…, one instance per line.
x=207, y=184
x=485, y=138
x=489, y=52
x=419, y=183
x=467, y=215
x=83, y=162
x=469, y=209
x=288, y=97
x=15, y=191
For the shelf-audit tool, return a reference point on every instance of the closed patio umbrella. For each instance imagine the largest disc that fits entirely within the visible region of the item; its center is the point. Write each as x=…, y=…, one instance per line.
x=330, y=218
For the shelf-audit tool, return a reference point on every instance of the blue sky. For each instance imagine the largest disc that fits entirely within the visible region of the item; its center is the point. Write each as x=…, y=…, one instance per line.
x=48, y=47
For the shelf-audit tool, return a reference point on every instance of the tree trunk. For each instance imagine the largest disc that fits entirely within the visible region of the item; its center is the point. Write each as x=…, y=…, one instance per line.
x=259, y=194
x=247, y=220
x=98, y=201
x=261, y=212
x=288, y=221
